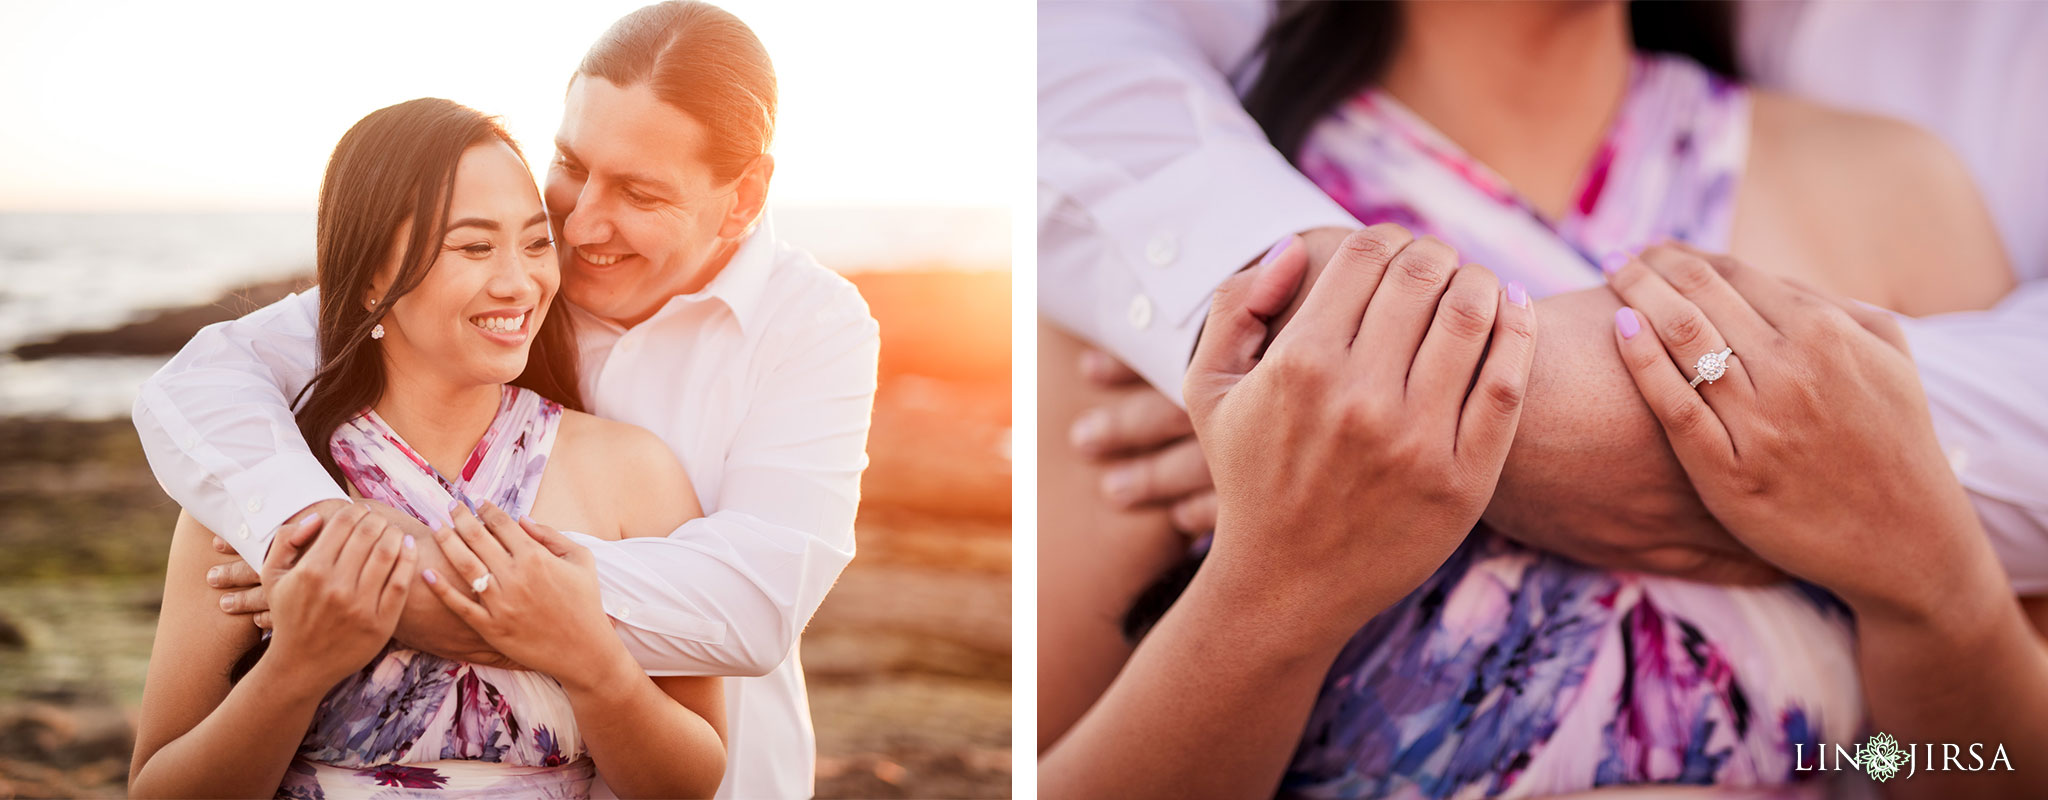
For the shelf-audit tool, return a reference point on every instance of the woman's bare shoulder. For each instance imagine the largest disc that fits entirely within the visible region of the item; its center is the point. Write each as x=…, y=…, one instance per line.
x=584, y=436
x=629, y=466
x=1882, y=192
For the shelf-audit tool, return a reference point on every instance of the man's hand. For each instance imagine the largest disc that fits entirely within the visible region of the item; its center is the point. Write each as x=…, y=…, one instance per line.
x=1146, y=442
x=1147, y=447
x=242, y=590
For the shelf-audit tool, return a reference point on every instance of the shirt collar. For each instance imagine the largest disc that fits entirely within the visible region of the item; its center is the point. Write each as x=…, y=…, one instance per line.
x=742, y=285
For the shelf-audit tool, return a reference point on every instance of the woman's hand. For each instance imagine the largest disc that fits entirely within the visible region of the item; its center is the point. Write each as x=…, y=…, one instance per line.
x=1353, y=457
x=1815, y=447
x=336, y=607
x=540, y=605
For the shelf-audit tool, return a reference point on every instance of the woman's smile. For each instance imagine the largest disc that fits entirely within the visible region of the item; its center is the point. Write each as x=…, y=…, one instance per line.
x=504, y=326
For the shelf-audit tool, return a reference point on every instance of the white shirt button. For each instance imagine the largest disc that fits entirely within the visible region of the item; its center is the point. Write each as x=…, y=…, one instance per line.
x=255, y=504
x=242, y=531
x=191, y=443
x=1162, y=250
x=1140, y=312
x=625, y=612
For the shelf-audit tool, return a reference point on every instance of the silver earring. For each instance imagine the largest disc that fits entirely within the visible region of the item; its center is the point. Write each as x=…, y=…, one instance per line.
x=377, y=332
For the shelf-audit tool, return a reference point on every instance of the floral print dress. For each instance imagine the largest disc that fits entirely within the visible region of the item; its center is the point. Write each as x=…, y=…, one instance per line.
x=1516, y=673
x=412, y=724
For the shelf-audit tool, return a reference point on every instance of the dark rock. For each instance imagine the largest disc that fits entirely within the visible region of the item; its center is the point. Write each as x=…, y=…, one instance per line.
x=11, y=637
x=163, y=332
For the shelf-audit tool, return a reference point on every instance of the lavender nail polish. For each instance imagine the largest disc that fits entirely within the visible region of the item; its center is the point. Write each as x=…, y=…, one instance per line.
x=1518, y=295
x=1273, y=254
x=1612, y=263
x=428, y=576
x=1625, y=321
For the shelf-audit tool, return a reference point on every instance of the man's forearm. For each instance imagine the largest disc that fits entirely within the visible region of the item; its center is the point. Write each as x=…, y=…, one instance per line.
x=742, y=592
x=1988, y=416
x=1591, y=475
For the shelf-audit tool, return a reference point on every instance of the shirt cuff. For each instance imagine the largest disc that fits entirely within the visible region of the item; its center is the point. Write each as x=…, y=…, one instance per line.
x=1189, y=227
x=636, y=595
x=269, y=493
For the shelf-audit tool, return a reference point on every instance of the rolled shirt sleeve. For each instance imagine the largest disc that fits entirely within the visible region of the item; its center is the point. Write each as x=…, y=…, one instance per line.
x=730, y=594
x=1990, y=409
x=1154, y=185
x=217, y=426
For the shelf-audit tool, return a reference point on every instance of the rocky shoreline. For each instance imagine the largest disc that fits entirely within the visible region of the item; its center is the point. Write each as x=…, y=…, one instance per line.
x=908, y=661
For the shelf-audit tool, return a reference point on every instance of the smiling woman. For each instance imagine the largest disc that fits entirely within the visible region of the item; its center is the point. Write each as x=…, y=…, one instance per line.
x=373, y=252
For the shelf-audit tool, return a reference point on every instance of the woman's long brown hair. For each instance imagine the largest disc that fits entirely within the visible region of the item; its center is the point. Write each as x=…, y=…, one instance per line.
x=1316, y=54
x=397, y=165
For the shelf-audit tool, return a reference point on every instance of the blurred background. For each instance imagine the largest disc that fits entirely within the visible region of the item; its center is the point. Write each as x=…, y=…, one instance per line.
x=158, y=173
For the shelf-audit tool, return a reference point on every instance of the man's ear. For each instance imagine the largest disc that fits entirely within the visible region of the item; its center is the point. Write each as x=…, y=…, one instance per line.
x=751, y=195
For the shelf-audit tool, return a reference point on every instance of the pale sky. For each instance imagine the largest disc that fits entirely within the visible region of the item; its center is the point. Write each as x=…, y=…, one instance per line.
x=131, y=105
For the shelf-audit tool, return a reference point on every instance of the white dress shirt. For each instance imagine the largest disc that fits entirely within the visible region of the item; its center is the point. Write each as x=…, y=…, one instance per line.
x=762, y=383
x=1154, y=186
x=1153, y=183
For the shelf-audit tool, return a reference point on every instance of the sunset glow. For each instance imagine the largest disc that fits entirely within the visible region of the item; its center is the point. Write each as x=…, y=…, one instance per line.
x=139, y=105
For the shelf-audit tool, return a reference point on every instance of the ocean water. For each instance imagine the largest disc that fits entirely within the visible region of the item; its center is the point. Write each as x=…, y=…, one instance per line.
x=63, y=272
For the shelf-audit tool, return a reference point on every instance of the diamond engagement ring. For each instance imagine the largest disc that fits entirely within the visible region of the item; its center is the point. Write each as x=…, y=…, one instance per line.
x=1711, y=367
x=481, y=583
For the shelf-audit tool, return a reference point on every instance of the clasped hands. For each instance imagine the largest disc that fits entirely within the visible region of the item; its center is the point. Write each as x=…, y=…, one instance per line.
x=1595, y=475
x=445, y=617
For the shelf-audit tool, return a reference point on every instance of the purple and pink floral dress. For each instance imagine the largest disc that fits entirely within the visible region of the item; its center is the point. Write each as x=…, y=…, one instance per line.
x=412, y=724
x=1512, y=672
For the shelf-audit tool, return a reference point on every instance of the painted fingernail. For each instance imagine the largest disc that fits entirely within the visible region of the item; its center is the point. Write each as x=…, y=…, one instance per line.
x=408, y=542
x=1612, y=263
x=1089, y=430
x=310, y=520
x=1279, y=248
x=1625, y=321
x=429, y=576
x=1518, y=295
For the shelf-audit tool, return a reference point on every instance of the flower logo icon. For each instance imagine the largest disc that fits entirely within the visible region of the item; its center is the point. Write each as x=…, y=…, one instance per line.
x=1881, y=757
